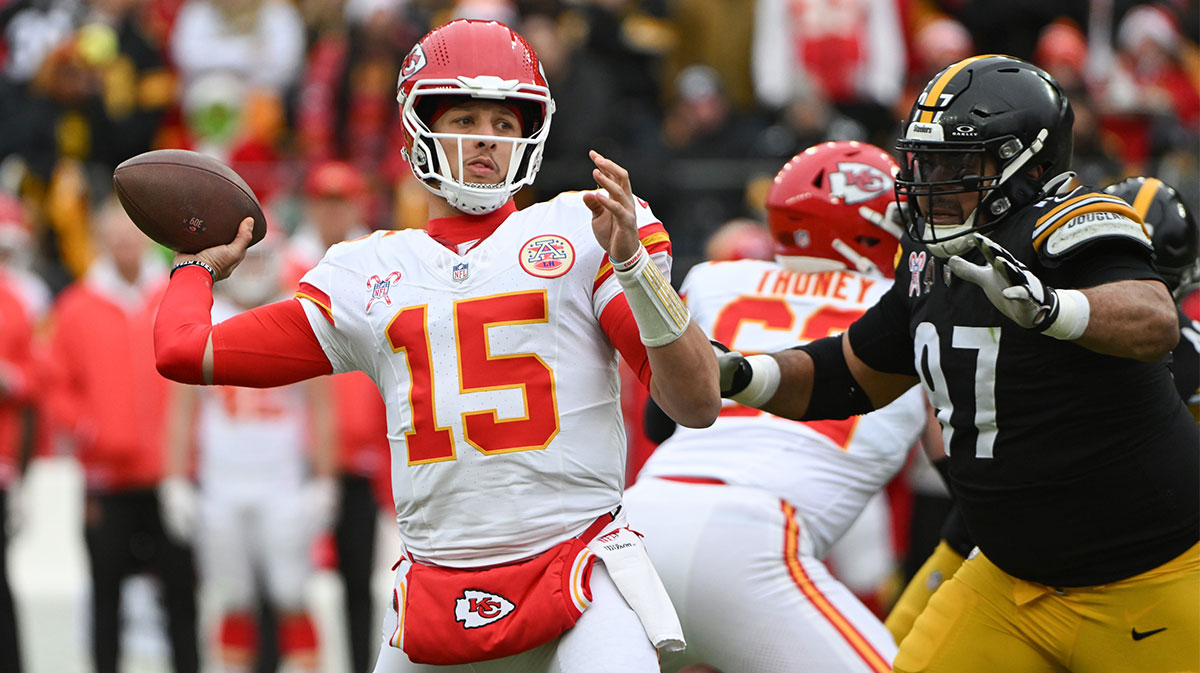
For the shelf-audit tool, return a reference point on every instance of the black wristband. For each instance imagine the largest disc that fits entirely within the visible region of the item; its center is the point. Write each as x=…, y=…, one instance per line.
x=195, y=262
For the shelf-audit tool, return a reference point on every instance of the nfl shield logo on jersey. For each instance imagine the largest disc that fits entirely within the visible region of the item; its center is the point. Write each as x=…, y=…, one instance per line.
x=547, y=256
x=480, y=608
x=380, y=287
x=458, y=272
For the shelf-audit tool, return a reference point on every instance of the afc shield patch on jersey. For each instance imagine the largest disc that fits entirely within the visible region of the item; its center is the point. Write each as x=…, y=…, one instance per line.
x=857, y=182
x=380, y=287
x=547, y=256
x=479, y=608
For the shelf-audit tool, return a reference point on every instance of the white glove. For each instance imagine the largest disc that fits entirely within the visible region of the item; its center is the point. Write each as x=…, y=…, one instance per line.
x=1020, y=295
x=321, y=503
x=178, y=504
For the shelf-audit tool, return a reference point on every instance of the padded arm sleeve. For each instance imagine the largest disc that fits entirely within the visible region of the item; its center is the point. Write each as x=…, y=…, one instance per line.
x=835, y=393
x=268, y=346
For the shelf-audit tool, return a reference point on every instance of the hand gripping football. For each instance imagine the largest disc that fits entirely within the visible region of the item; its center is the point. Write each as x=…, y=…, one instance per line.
x=185, y=200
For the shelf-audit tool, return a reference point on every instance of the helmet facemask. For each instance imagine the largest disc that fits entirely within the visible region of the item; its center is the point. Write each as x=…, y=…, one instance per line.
x=990, y=125
x=431, y=163
x=996, y=170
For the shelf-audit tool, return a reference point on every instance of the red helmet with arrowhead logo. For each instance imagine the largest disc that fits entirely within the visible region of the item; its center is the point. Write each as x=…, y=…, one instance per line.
x=483, y=60
x=831, y=207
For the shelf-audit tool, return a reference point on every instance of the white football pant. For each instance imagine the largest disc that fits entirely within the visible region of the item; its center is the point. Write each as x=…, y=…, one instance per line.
x=750, y=596
x=246, y=537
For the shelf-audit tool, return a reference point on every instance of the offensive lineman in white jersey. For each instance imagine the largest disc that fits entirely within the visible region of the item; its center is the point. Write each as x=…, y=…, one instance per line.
x=738, y=516
x=259, y=505
x=493, y=339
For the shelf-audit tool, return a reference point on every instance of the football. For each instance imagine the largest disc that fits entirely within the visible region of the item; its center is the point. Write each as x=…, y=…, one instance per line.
x=185, y=200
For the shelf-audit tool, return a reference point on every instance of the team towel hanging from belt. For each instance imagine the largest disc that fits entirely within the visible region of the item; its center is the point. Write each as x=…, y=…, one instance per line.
x=629, y=566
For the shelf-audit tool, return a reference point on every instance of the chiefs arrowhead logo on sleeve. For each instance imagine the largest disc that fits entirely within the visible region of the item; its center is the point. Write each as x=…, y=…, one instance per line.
x=480, y=608
x=856, y=182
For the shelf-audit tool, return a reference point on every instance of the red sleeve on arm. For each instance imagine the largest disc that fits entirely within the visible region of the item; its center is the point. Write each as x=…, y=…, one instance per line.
x=183, y=324
x=269, y=346
x=272, y=345
x=617, y=322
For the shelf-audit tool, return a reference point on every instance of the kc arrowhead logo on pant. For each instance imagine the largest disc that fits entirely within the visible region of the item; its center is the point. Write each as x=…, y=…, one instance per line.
x=480, y=608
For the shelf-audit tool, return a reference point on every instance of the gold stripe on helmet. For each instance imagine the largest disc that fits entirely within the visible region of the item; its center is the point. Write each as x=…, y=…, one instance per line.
x=1145, y=196
x=935, y=92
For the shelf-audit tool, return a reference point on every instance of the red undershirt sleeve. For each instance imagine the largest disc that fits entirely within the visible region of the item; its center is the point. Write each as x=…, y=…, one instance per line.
x=617, y=322
x=267, y=346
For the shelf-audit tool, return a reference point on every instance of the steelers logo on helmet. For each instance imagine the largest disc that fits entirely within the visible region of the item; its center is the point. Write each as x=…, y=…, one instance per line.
x=481, y=60
x=989, y=135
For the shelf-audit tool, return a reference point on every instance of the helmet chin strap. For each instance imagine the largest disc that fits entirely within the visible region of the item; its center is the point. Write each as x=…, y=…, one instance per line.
x=802, y=264
x=1018, y=162
x=473, y=201
x=860, y=262
x=958, y=242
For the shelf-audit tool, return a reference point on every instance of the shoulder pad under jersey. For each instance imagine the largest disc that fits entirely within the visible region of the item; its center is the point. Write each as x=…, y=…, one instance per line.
x=1066, y=223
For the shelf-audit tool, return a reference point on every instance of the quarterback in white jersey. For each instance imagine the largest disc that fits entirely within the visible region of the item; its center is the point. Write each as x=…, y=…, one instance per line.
x=493, y=338
x=264, y=465
x=738, y=516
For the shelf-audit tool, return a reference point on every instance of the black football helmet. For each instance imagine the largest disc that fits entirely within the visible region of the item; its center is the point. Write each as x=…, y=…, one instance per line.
x=1173, y=230
x=982, y=125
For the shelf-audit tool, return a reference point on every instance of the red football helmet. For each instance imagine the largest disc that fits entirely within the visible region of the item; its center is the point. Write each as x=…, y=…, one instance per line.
x=335, y=179
x=481, y=59
x=830, y=208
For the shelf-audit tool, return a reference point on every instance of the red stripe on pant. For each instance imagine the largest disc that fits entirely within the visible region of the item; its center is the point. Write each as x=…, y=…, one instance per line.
x=791, y=557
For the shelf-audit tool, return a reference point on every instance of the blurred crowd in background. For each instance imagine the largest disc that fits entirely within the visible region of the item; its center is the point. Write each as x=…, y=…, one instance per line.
x=702, y=100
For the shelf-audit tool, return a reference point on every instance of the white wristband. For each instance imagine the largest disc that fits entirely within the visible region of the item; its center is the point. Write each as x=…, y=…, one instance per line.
x=1074, y=311
x=764, y=381
x=659, y=312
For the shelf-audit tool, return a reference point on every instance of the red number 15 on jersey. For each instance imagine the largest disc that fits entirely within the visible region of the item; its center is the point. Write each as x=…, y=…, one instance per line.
x=478, y=371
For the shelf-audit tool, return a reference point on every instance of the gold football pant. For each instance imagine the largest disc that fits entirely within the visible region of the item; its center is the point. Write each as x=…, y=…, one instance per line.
x=936, y=570
x=984, y=620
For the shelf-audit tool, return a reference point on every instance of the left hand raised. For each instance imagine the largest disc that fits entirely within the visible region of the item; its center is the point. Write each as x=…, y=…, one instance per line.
x=1009, y=284
x=614, y=218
